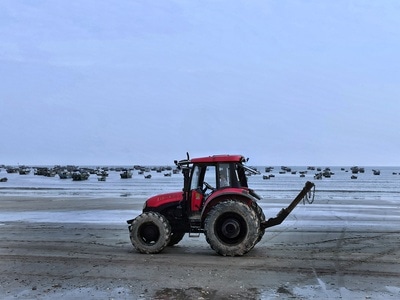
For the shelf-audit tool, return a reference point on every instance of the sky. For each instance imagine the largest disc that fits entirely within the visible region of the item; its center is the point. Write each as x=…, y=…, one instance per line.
x=143, y=82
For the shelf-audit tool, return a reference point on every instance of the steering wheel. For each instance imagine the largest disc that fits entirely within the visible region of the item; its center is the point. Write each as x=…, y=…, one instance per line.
x=207, y=186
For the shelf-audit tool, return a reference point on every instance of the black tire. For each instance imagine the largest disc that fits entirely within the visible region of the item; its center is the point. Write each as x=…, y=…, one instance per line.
x=261, y=216
x=232, y=228
x=150, y=232
x=176, y=237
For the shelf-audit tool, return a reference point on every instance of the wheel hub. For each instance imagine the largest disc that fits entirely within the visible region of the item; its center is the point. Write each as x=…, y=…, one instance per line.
x=150, y=233
x=231, y=228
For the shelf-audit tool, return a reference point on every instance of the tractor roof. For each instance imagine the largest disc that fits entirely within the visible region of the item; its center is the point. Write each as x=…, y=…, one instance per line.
x=219, y=158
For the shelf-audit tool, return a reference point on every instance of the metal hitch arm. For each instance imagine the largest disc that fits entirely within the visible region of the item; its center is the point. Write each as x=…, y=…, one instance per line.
x=281, y=216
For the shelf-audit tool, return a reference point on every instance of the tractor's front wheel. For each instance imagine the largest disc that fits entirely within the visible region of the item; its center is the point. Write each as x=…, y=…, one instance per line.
x=232, y=228
x=150, y=232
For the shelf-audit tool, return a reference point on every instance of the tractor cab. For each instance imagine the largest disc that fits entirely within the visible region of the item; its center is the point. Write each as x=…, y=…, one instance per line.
x=205, y=178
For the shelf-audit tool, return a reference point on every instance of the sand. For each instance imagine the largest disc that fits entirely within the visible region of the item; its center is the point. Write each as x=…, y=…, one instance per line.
x=79, y=248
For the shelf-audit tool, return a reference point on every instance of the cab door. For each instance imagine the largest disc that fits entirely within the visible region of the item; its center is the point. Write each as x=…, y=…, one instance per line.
x=198, y=193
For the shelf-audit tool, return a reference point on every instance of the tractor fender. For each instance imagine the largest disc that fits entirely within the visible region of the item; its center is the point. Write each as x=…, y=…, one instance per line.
x=216, y=197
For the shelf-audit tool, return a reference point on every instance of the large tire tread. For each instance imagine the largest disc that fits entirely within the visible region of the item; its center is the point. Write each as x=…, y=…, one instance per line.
x=261, y=216
x=249, y=228
x=160, y=232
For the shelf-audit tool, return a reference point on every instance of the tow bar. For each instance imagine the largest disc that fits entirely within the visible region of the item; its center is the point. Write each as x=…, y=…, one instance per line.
x=281, y=216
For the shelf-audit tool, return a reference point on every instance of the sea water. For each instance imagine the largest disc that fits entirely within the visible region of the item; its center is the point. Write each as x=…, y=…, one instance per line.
x=339, y=200
x=340, y=186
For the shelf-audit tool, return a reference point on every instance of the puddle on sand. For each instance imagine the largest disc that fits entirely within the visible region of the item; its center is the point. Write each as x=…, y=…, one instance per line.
x=187, y=293
x=208, y=294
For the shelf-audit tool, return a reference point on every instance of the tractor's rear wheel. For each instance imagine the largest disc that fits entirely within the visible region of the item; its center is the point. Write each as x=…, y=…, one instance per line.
x=261, y=216
x=150, y=232
x=232, y=228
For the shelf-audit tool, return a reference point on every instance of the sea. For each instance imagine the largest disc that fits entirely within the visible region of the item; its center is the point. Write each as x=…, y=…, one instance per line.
x=280, y=186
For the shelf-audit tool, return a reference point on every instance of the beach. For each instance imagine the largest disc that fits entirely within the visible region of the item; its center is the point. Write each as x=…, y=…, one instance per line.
x=303, y=258
x=75, y=246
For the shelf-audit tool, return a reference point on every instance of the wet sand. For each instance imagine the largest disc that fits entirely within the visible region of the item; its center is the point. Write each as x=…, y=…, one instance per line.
x=307, y=257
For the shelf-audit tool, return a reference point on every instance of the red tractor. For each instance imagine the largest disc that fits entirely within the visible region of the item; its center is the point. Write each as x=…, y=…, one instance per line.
x=216, y=201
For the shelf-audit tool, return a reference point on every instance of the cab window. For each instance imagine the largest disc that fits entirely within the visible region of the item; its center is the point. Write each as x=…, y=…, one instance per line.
x=241, y=175
x=195, y=178
x=210, y=176
x=224, y=175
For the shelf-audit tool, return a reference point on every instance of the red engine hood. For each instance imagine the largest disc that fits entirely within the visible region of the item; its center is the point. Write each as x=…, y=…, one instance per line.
x=162, y=199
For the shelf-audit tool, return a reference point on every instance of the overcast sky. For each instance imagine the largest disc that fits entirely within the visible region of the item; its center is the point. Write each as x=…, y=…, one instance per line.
x=143, y=82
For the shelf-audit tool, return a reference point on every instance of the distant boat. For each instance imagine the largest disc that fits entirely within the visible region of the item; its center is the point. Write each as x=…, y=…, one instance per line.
x=126, y=174
x=102, y=178
x=102, y=173
x=51, y=173
x=318, y=176
x=12, y=170
x=4, y=179
x=353, y=177
x=147, y=176
x=64, y=175
x=24, y=171
x=376, y=172
x=327, y=173
x=167, y=174
x=80, y=176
